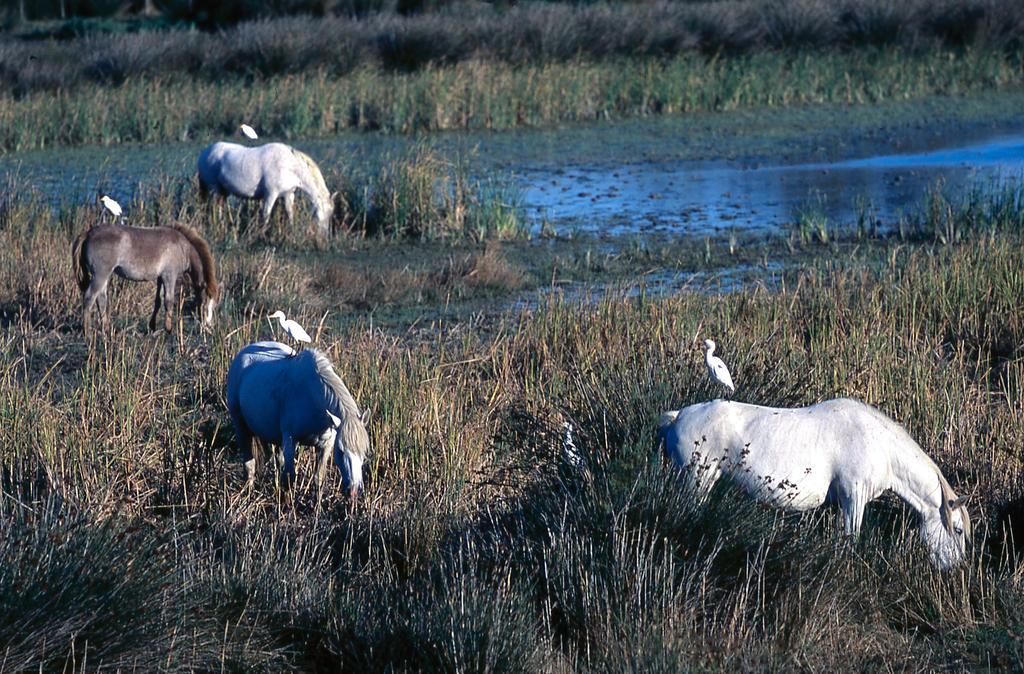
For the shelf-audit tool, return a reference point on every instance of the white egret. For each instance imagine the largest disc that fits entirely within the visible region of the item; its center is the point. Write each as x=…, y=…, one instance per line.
x=249, y=132
x=293, y=329
x=716, y=367
x=569, y=450
x=111, y=205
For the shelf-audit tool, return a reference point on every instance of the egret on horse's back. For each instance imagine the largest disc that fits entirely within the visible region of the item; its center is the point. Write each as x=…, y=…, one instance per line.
x=838, y=450
x=717, y=369
x=269, y=172
x=290, y=399
x=160, y=254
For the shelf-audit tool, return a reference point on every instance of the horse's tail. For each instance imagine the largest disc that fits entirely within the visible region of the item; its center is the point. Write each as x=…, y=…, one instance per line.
x=78, y=252
x=209, y=266
x=667, y=419
x=664, y=424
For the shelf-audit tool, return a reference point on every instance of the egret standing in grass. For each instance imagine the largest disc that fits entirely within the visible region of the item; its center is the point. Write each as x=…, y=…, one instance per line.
x=249, y=132
x=291, y=328
x=716, y=367
x=569, y=451
x=111, y=205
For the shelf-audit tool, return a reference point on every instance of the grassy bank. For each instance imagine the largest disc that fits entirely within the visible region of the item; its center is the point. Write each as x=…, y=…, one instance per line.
x=127, y=542
x=534, y=33
x=483, y=95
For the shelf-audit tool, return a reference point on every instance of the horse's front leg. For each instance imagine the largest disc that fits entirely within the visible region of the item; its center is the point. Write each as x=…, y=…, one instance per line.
x=169, y=295
x=156, y=305
x=852, y=501
x=287, y=461
x=289, y=206
x=326, y=447
x=268, y=205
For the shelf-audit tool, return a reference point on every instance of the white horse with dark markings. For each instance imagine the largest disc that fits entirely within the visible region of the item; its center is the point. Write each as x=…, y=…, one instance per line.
x=288, y=399
x=269, y=172
x=841, y=450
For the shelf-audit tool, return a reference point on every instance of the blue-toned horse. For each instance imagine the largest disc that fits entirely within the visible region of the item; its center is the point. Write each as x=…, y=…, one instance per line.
x=289, y=399
x=266, y=172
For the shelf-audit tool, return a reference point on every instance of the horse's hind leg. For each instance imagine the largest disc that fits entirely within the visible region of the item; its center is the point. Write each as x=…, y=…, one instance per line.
x=101, y=301
x=97, y=290
x=168, y=298
x=244, y=438
x=248, y=458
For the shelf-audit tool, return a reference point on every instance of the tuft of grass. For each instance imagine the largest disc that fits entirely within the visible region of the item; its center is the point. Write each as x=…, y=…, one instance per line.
x=812, y=221
x=421, y=196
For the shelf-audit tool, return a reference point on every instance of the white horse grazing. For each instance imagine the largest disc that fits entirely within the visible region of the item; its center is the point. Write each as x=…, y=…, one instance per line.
x=265, y=172
x=287, y=400
x=839, y=450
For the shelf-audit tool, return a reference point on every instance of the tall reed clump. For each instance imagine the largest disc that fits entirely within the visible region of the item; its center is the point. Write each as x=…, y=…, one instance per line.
x=128, y=540
x=421, y=196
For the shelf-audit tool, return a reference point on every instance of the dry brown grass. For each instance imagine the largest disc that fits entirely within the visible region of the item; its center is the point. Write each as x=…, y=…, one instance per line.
x=367, y=285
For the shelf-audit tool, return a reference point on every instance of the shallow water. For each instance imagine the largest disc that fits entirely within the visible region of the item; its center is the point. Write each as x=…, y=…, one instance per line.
x=570, y=180
x=705, y=197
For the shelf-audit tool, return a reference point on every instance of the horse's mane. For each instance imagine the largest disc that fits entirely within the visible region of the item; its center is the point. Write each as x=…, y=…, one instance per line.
x=209, y=266
x=314, y=171
x=77, y=253
x=920, y=455
x=352, y=428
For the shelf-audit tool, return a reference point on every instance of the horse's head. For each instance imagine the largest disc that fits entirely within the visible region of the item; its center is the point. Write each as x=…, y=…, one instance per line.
x=324, y=212
x=206, y=299
x=351, y=448
x=208, y=306
x=948, y=535
x=203, y=274
x=316, y=187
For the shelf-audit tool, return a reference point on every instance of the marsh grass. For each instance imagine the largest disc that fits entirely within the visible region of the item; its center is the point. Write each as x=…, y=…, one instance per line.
x=812, y=221
x=128, y=541
x=478, y=94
